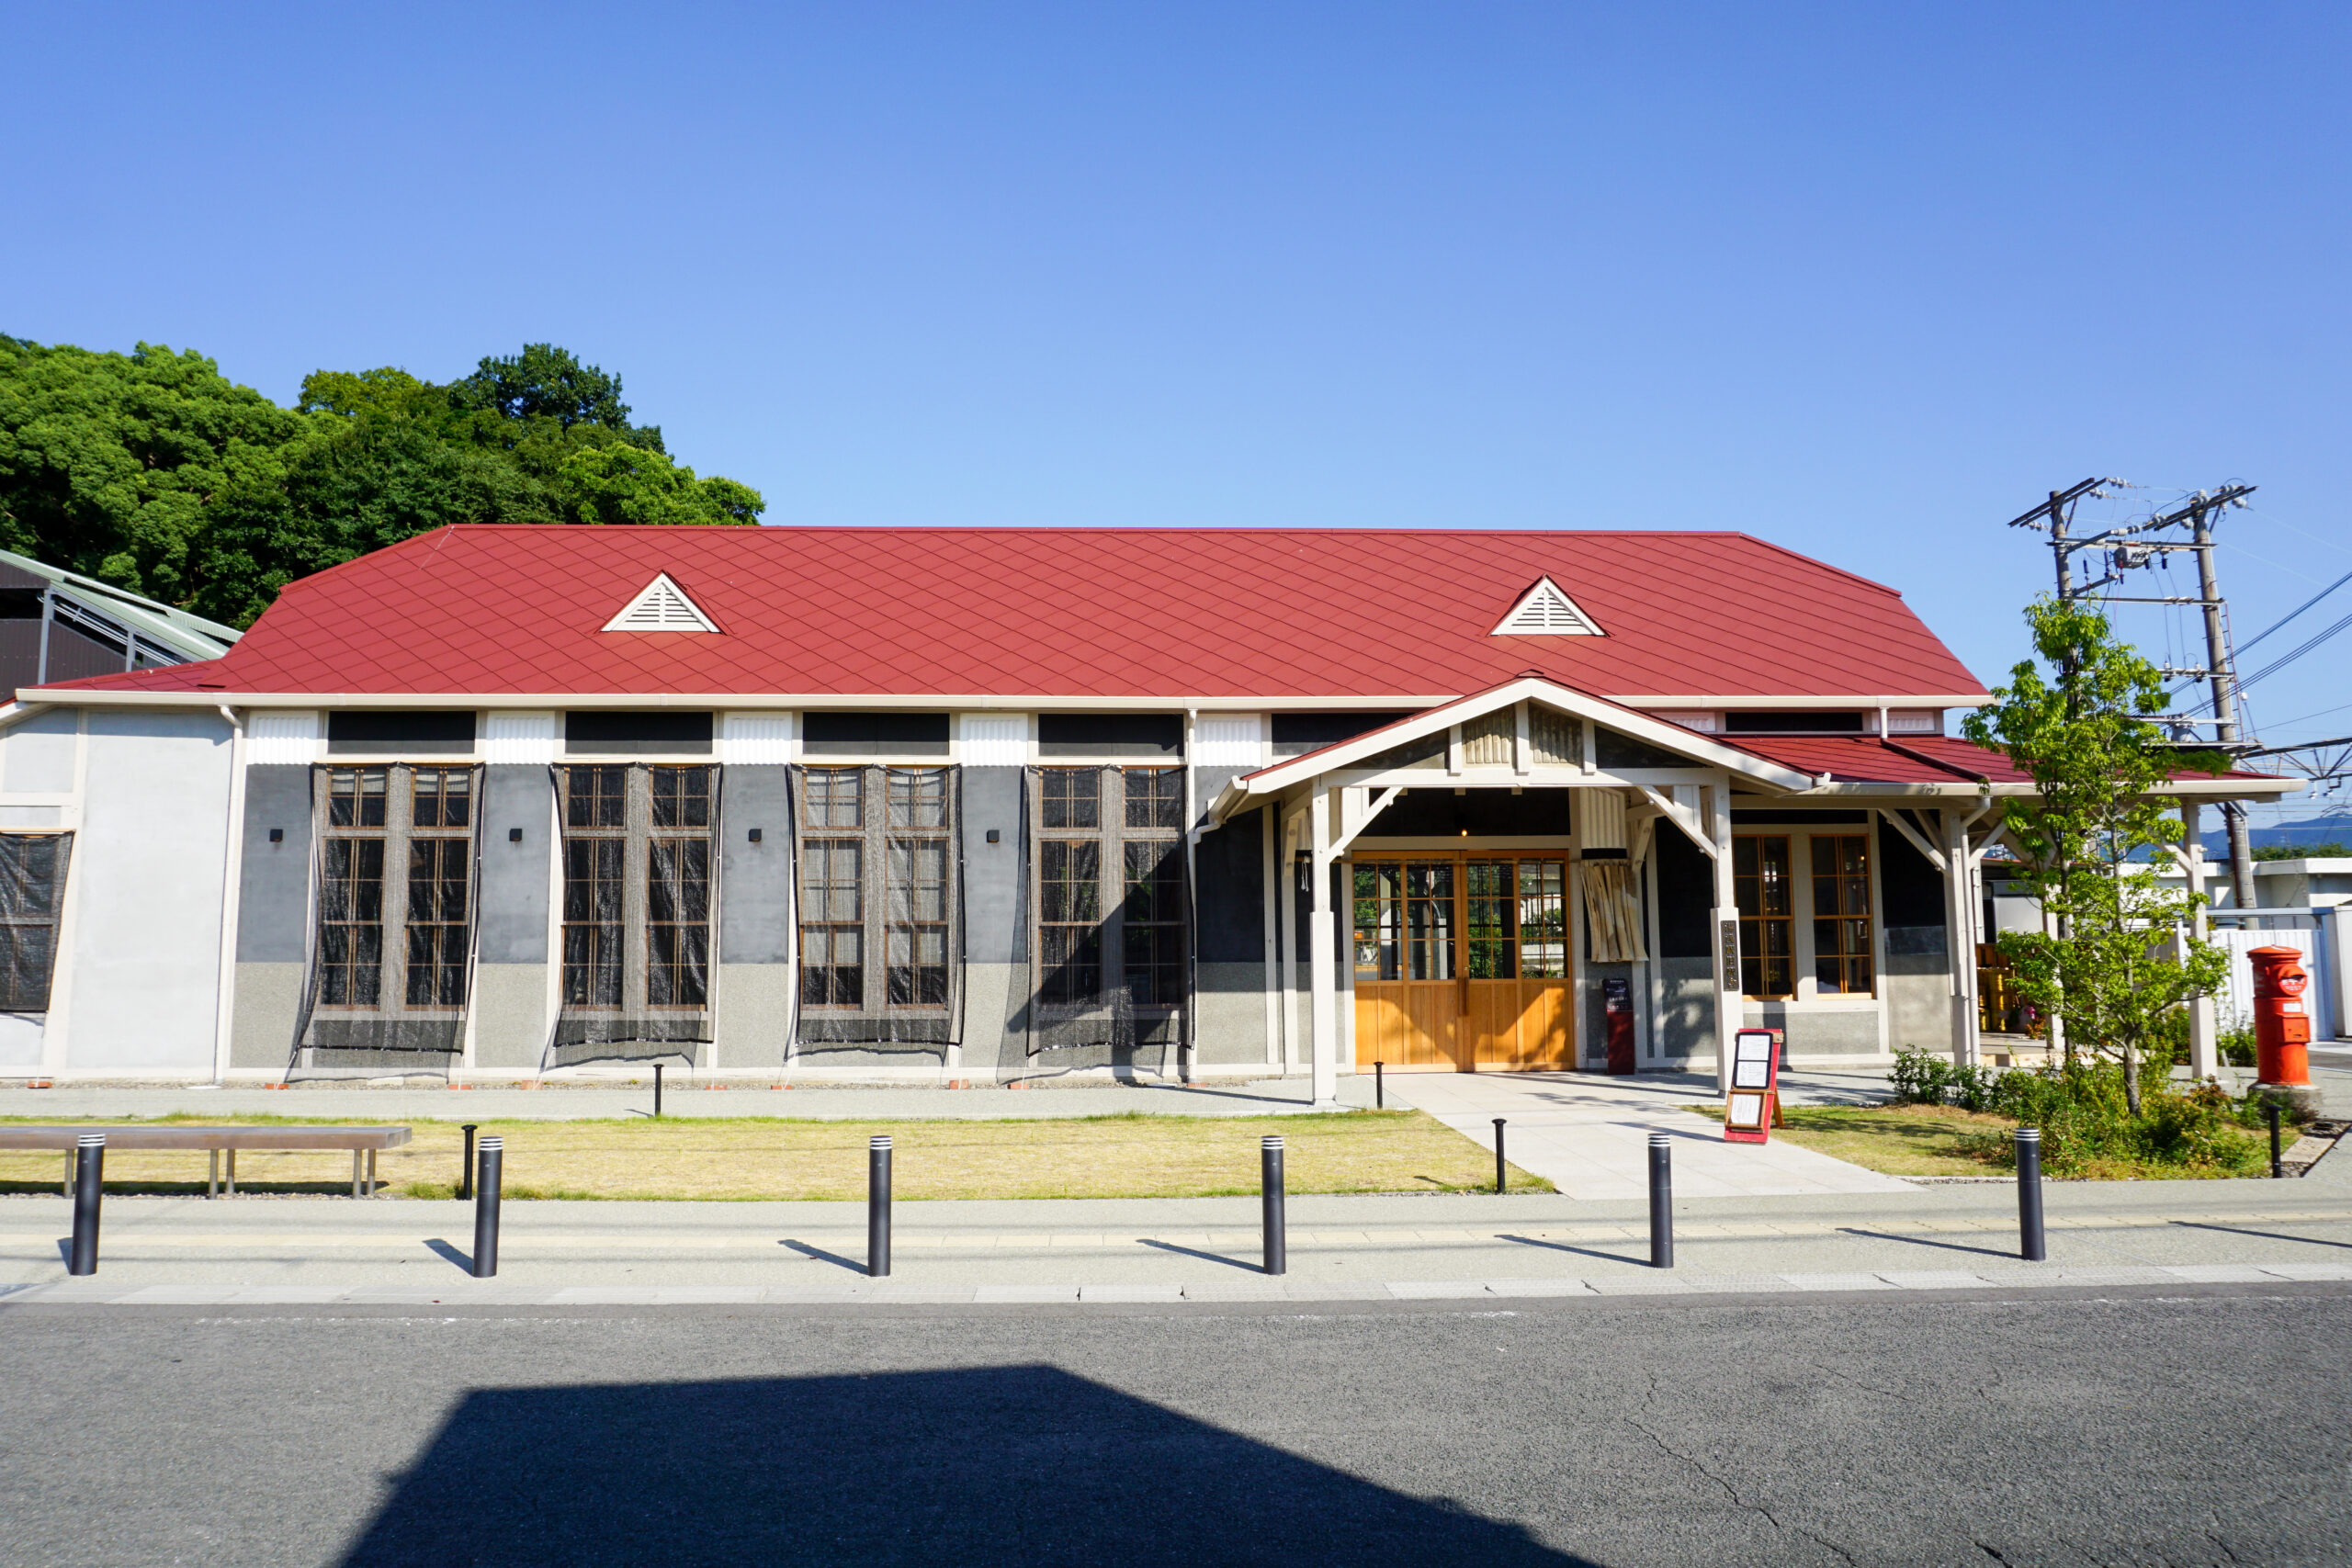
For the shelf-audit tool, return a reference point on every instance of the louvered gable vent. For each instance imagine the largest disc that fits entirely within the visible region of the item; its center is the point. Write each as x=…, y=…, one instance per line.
x=1545, y=611
x=661, y=606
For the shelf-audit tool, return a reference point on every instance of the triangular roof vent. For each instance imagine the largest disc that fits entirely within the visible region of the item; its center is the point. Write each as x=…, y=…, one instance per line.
x=661, y=606
x=1545, y=611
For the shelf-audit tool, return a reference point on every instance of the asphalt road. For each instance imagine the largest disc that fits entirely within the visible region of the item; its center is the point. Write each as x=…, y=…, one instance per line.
x=2014, y=1428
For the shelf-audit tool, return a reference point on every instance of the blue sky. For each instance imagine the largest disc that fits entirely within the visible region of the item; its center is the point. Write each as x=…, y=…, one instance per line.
x=1865, y=281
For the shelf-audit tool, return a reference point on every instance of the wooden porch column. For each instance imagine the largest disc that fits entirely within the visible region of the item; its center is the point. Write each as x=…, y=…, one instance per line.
x=1959, y=924
x=2204, y=1043
x=1323, y=949
x=1728, y=1004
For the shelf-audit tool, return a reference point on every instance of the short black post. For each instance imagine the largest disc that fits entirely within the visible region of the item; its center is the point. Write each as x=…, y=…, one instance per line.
x=657, y=1091
x=2270, y=1114
x=89, y=1186
x=1661, y=1202
x=1269, y=1204
x=466, y=1171
x=2030, y=1241
x=877, y=1205
x=1379, y=1086
x=1498, y=1153
x=486, y=1193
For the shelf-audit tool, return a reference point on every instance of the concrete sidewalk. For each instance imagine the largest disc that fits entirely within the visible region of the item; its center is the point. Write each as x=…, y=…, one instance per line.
x=326, y=1248
x=1587, y=1133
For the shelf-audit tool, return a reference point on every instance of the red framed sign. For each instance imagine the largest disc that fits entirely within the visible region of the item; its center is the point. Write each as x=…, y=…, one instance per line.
x=1751, y=1099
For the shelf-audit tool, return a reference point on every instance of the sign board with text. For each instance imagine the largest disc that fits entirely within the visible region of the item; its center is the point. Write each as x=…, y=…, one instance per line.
x=1751, y=1099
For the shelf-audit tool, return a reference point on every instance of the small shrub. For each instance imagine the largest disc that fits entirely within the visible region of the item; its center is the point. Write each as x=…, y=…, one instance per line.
x=1973, y=1088
x=2087, y=1128
x=2236, y=1045
x=1921, y=1077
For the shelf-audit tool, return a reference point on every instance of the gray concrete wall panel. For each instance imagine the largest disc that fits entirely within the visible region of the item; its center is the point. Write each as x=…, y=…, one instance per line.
x=510, y=1016
x=261, y=1032
x=274, y=885
x=1815, y=1034
x=149, y=868
x=1230, y=1025
x=754, y=1013
x=755, y=880
x=515, y=897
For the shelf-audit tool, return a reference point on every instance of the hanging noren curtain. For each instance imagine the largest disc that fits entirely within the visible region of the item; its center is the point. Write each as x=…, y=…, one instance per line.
x=880, y=908
x=1612, y=910
x=397, y=881
x=639, y=902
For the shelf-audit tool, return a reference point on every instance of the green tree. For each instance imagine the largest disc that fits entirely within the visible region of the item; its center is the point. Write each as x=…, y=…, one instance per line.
x=625, y=484
x=2109, y=971
x=115, y=465
x=155, y=471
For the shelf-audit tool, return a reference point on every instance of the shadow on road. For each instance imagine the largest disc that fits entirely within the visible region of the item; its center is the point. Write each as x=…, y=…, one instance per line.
x=1020, y=1464
x=2266, y=1236
x=821, y=1256
x=1923, y=1241
x=448, y=1254
x=1242, y=1264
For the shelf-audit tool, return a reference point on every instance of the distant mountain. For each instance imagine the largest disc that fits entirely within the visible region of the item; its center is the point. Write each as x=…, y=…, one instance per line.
x=2311, y=830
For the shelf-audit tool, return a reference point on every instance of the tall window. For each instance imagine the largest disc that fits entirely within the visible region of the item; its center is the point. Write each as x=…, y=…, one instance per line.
x=1102, y=946
x=1841, y=914
x=636, y=890
x=877, y=903
x=396, y=883
x=32, y=889
x=1767, y=924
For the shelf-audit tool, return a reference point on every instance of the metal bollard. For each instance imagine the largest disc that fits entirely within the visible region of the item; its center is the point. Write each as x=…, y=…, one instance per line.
x=89, y=1186
x=657, y=1091
x=2270, y=1112
x=1661, y=1202
x=2029, y=1242
x=466, y=1171
x=486, y=1194
x=877, y=1205
x=1269, y=1204
x=1379, y=1086
x=1498, y=1153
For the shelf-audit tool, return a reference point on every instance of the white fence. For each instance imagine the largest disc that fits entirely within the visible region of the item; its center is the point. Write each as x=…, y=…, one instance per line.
x=2323, y=955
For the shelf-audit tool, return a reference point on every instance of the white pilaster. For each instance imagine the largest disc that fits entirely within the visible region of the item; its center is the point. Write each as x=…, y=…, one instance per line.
x=522, y=738
x=1729, y=1008
x=1323, y=952
x=756, y=738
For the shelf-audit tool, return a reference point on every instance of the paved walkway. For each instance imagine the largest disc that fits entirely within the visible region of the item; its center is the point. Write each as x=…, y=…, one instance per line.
x=1589, y=1134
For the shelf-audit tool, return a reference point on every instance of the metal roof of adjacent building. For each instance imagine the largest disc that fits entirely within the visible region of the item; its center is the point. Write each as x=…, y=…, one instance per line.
x=1287, y=617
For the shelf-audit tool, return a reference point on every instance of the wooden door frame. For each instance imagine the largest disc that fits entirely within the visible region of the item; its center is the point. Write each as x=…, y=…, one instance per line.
x=1572, y=981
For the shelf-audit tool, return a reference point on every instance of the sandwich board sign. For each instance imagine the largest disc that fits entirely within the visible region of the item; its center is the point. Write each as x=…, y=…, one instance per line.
x=1751, y=1100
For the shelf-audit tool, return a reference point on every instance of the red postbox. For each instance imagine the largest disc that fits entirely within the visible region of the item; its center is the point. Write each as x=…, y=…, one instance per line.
x=2282, y=1020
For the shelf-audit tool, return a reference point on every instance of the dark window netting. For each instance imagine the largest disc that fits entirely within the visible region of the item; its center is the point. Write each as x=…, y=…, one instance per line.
x=32, y=890
x=396, y=883
x=880, y=909
x=639, y=906
x=1110, y=979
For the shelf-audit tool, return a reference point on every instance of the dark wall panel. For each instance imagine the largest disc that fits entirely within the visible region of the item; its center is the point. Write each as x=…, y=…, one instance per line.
x=1231, y=898
x=755, y=880
x=1686, y=896
x=274, y=885
x=1912, y=889
x=514, y=875
x=993, y=873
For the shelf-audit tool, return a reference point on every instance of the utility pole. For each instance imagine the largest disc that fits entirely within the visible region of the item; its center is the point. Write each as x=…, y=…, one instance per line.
x=2222, y=669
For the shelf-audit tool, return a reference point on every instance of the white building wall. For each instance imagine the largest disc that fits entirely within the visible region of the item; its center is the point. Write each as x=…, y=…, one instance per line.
x=141, y=964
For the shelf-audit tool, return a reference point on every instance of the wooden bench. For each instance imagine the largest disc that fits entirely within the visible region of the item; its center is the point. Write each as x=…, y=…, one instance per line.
x=364, y=1143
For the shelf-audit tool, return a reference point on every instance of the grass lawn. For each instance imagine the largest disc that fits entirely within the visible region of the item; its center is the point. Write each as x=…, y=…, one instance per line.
x=1130, y=1155
x=1935, y=1140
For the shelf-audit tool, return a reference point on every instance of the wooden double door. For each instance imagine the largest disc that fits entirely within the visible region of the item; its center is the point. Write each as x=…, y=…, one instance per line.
x=1462, y=961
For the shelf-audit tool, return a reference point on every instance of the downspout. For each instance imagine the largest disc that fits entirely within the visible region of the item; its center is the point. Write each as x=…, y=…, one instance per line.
x=232, y=874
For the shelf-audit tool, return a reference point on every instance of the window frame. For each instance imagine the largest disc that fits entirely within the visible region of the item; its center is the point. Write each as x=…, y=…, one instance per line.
x=888, y=826
x=1131, y=831
x=395, y=835
x=606, y=831
x=14, y=922
x=1756, y=923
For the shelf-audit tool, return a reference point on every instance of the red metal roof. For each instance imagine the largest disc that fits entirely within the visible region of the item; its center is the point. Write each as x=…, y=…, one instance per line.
x=1116, y=612
x=1905, y=759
